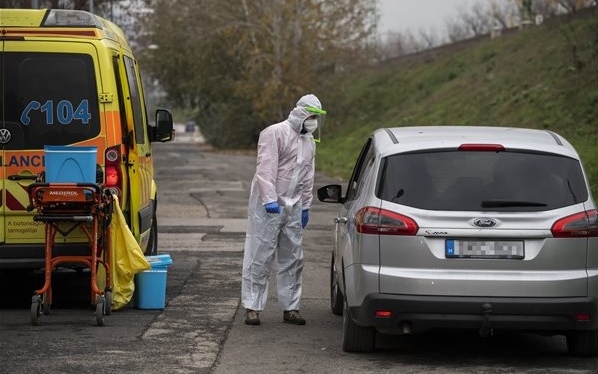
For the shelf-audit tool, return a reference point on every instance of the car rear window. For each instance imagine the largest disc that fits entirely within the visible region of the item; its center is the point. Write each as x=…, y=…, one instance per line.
x=48, y=99
x=486, y=181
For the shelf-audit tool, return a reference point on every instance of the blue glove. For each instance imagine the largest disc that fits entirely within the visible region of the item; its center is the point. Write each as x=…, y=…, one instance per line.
x=272, y=207
x=304, y=217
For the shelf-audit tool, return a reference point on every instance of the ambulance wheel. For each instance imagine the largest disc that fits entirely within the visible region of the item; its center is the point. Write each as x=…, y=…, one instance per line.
x=152, y=245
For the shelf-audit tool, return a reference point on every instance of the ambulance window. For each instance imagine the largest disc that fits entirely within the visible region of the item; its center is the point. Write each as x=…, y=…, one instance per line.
x=121, y=95
x=135, y=91
x=51, y=99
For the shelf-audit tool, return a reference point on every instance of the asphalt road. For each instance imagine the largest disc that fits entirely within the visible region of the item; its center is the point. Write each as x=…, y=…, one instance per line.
x=202, y=209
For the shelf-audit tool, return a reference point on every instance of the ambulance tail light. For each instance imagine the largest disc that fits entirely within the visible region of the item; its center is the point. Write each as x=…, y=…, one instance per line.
x=113, y=172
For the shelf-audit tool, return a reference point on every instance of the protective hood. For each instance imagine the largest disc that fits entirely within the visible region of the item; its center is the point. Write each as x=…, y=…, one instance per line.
x=305, y=107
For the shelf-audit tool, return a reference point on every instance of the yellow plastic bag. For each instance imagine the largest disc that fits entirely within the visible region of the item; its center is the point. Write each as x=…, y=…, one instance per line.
x=126, y=261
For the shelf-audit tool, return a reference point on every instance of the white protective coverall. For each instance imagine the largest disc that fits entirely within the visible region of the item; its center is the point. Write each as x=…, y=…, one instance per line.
x=284, y=174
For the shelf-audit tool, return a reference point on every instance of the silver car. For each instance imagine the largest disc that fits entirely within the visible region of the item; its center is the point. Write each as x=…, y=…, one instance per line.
x=485, y=228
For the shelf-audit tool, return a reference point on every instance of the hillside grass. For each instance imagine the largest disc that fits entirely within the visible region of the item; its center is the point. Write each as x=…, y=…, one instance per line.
x=543, y=77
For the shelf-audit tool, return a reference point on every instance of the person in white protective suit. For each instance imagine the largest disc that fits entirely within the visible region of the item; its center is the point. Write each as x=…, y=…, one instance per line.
x=279, y=202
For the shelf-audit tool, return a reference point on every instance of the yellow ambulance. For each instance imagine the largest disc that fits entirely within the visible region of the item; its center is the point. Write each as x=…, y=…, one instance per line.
x=70, y=78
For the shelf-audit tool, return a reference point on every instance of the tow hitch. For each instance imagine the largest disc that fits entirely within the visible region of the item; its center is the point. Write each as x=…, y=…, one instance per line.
x=486, y=328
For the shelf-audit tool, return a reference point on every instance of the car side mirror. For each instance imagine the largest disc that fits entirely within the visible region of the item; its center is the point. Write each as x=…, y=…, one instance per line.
x=163, y=131
x=331, y=193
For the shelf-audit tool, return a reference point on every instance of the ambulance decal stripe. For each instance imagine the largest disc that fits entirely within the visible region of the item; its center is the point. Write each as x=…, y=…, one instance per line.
x=13, y=204
x=145, y=190
x=147, y=186
x=17, y=199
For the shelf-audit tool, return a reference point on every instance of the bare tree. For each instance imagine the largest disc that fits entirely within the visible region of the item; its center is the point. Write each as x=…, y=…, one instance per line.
x=456, y=30
x=429, y=38
x=476, y=20
x=469, y=22
x=546, y=8
x=571, y=6
x=396, y=45
x=502, y=13
x=413, y=44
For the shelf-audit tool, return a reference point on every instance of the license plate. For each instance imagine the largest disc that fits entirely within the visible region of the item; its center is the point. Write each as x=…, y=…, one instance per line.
x=503, y=249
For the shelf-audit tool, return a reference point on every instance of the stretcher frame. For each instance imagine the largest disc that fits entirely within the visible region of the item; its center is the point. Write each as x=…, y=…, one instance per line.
x=87, y=206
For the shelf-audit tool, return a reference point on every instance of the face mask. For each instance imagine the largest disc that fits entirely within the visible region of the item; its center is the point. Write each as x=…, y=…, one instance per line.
x=310, y=125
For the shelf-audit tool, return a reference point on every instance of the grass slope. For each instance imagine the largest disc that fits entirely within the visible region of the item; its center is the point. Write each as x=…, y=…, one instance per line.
x=542, y=77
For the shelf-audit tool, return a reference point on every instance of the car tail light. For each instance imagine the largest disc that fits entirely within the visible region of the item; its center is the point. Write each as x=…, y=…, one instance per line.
x=371, y=220
x=482, y=147
x=383, y=314
x=580, y=225
x=583, y=317
x=113, y=173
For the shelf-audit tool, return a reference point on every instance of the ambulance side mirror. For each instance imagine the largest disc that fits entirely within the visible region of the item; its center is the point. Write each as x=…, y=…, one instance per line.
x=163, y=130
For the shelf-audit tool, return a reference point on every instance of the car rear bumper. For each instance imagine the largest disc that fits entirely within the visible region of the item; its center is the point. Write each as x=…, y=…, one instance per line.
x=31, y=256
x=414, y=314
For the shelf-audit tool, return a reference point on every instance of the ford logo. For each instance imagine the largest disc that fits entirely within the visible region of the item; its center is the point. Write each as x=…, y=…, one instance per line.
x=485, y=222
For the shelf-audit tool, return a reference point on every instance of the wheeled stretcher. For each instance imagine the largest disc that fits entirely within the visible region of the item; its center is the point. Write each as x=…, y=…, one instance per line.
x=64, y=207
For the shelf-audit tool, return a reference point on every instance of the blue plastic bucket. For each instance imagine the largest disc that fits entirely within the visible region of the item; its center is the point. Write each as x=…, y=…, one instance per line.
x=150, y=289
x=150, y=285
x=70, y=164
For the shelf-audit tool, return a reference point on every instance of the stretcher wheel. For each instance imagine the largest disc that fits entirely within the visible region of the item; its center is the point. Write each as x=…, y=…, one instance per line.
x=35, y=309
x=45, y=304
x=108, y=297
x=100, y=305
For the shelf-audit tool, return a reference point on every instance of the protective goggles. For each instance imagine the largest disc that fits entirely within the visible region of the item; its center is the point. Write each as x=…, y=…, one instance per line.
x=320, y=116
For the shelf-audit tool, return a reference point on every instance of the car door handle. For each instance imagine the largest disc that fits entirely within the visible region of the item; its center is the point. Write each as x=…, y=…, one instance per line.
x=340, y=220
x=16, y=177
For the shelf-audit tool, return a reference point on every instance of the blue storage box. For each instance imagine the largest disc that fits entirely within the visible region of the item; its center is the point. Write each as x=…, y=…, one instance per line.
x=70, y=164
x=150, y=285
x=159, y=261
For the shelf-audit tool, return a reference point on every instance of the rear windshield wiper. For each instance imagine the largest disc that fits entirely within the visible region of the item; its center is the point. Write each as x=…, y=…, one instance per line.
x=509, y=203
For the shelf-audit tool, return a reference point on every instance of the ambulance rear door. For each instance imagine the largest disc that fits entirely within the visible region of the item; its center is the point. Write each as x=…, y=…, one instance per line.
x=50, y=97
